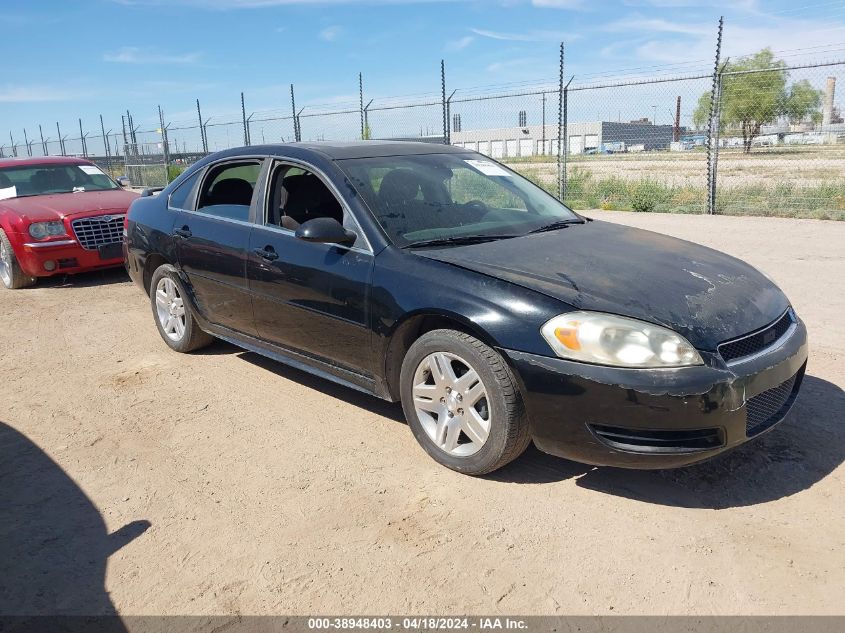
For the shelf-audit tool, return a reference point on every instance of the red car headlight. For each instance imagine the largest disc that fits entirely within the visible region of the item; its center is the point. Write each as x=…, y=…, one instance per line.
x=43, y=230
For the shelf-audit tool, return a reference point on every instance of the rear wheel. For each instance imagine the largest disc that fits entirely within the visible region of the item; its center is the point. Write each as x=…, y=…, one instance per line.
x=463, y=403
x=174, y=320
x=10, y=270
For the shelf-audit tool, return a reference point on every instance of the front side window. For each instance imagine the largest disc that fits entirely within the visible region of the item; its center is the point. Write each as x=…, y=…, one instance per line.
x=432, y=197
x=298, y=195
x=39, y=180
x=227, y=190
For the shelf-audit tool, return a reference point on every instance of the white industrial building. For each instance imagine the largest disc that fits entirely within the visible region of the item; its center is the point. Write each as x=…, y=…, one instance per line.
x=596, y=136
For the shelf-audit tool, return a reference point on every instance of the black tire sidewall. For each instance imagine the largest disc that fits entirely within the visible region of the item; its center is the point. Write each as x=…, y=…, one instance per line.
x=489, y=457
x=184, y=344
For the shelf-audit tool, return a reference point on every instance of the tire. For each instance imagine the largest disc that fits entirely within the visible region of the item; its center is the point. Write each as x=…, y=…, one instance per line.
x=175, y=321
x=446, y=402
x=11, y=274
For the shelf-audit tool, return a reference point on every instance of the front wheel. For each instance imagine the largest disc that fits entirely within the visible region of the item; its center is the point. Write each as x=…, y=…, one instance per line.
x=463, y=403
x=174, y=320
x=11, y=274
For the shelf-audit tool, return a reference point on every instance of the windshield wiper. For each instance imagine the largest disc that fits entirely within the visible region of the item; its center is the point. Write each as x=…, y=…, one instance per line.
x=554, y=226
x=459, y=240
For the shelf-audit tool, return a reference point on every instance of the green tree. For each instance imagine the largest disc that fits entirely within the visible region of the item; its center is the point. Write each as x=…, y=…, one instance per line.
x=755, y=92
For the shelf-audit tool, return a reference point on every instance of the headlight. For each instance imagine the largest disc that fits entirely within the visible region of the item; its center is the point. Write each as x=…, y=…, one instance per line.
x=41, y=230
x=605, y=339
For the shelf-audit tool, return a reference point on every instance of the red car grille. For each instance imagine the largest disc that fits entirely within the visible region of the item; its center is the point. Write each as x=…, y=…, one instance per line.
x=98, y=230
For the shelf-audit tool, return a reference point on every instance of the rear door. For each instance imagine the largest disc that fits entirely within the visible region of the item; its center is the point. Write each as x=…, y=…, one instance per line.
x=310, y=298
x=213, y=239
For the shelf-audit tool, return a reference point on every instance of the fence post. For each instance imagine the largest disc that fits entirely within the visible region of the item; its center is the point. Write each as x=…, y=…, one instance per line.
x=61, y=139
x=367, y=130
x=713, y=151
x=296, y=136
x=132, y=136
x=26, y=142
x=165, y=146
x=43, y=143
x=443, y=98
x=106, y=144
x=14, y=147
x=202, y=129
x=82, y=140
x=565, y=135
x=243, y=118
x=361, y=104
x=560, y=174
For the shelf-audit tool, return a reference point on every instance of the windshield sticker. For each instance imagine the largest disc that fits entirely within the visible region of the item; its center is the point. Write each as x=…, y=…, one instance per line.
x=9, y=192
x=487, y=168
x=91, y=170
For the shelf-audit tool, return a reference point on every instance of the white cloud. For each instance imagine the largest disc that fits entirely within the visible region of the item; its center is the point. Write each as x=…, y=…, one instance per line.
x=527, y=36
x=260, y=4
x=460, y=44
x=136, y=55
x=330, y=33
x=33, y=93
x=636, y=24
x=558, y=4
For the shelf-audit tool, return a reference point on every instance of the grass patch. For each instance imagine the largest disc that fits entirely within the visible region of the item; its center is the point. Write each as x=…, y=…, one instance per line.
x=782, y=199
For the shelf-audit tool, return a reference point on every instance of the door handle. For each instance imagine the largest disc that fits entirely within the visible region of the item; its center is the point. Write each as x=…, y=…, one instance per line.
x=184, y=232
x=267, y=253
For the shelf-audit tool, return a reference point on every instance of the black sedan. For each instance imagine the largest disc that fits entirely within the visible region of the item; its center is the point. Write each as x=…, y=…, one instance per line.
x=438, y=277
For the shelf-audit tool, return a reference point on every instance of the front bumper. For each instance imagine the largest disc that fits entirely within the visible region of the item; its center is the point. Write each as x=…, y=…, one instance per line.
x=64, y=256
x=658, y=418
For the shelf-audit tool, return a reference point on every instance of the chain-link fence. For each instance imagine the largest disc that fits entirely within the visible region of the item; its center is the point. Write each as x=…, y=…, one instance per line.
x=755, y=136
x=780, y=142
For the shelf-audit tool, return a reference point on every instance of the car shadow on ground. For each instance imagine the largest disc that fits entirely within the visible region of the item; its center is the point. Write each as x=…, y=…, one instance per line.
x=53, y=541
x=105, y=277
x=392, y=411
x=794, y=456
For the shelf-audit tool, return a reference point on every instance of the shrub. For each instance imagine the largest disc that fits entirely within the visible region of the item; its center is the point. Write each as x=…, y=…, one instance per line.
x=646, y=195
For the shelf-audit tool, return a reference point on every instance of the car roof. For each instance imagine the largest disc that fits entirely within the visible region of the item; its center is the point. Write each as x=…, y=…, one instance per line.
x=355, y=149
x=43, y=160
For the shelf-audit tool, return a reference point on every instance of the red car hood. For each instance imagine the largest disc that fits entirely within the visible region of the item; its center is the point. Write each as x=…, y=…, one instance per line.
x=62, y=205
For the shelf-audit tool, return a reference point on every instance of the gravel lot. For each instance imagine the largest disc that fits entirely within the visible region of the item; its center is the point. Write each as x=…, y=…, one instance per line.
x=136, y=479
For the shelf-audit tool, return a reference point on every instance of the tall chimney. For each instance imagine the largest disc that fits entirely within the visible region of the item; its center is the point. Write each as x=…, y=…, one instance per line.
x=676, y=136
x=827, y=112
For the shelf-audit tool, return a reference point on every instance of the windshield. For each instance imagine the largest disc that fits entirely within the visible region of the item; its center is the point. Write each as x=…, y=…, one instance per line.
x=37, y=180
x=435, y=197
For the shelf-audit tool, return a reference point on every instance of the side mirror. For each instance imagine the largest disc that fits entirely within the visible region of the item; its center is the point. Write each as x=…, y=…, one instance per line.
x=324, y=231
x=123, y=181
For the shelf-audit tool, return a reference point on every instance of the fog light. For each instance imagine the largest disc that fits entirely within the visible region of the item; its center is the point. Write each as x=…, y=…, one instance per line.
x=49, y=265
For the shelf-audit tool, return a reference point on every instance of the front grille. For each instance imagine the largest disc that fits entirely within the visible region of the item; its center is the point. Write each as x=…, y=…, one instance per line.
x=753, y=343
x=645, y=441
x=769, y=407
x=98, y=231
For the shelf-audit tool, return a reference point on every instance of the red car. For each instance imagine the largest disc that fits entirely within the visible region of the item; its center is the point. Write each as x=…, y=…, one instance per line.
x=58, y=215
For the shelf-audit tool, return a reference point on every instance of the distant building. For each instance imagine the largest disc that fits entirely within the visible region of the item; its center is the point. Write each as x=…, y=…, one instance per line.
x=584, y=138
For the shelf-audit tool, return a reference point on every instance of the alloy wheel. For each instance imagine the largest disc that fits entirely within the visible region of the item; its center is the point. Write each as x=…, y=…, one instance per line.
x=451, y=404
x=170, y=309
x=5, y=265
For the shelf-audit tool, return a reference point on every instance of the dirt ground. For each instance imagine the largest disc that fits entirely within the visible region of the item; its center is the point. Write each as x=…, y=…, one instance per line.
x=136, y=479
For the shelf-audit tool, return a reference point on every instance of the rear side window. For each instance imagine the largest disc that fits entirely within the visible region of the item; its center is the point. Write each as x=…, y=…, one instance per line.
x=181, y=197
x=227, y=190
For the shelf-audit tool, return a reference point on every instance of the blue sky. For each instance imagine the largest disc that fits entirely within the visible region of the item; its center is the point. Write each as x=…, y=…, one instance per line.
x=67, y=59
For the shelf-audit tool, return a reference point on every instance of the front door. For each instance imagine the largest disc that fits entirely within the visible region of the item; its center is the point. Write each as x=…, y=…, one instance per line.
x=213, y=242
x=310, y=298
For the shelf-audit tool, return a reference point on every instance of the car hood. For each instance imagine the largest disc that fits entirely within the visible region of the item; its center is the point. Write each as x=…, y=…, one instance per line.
x=62, y=205
x=705, y=295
